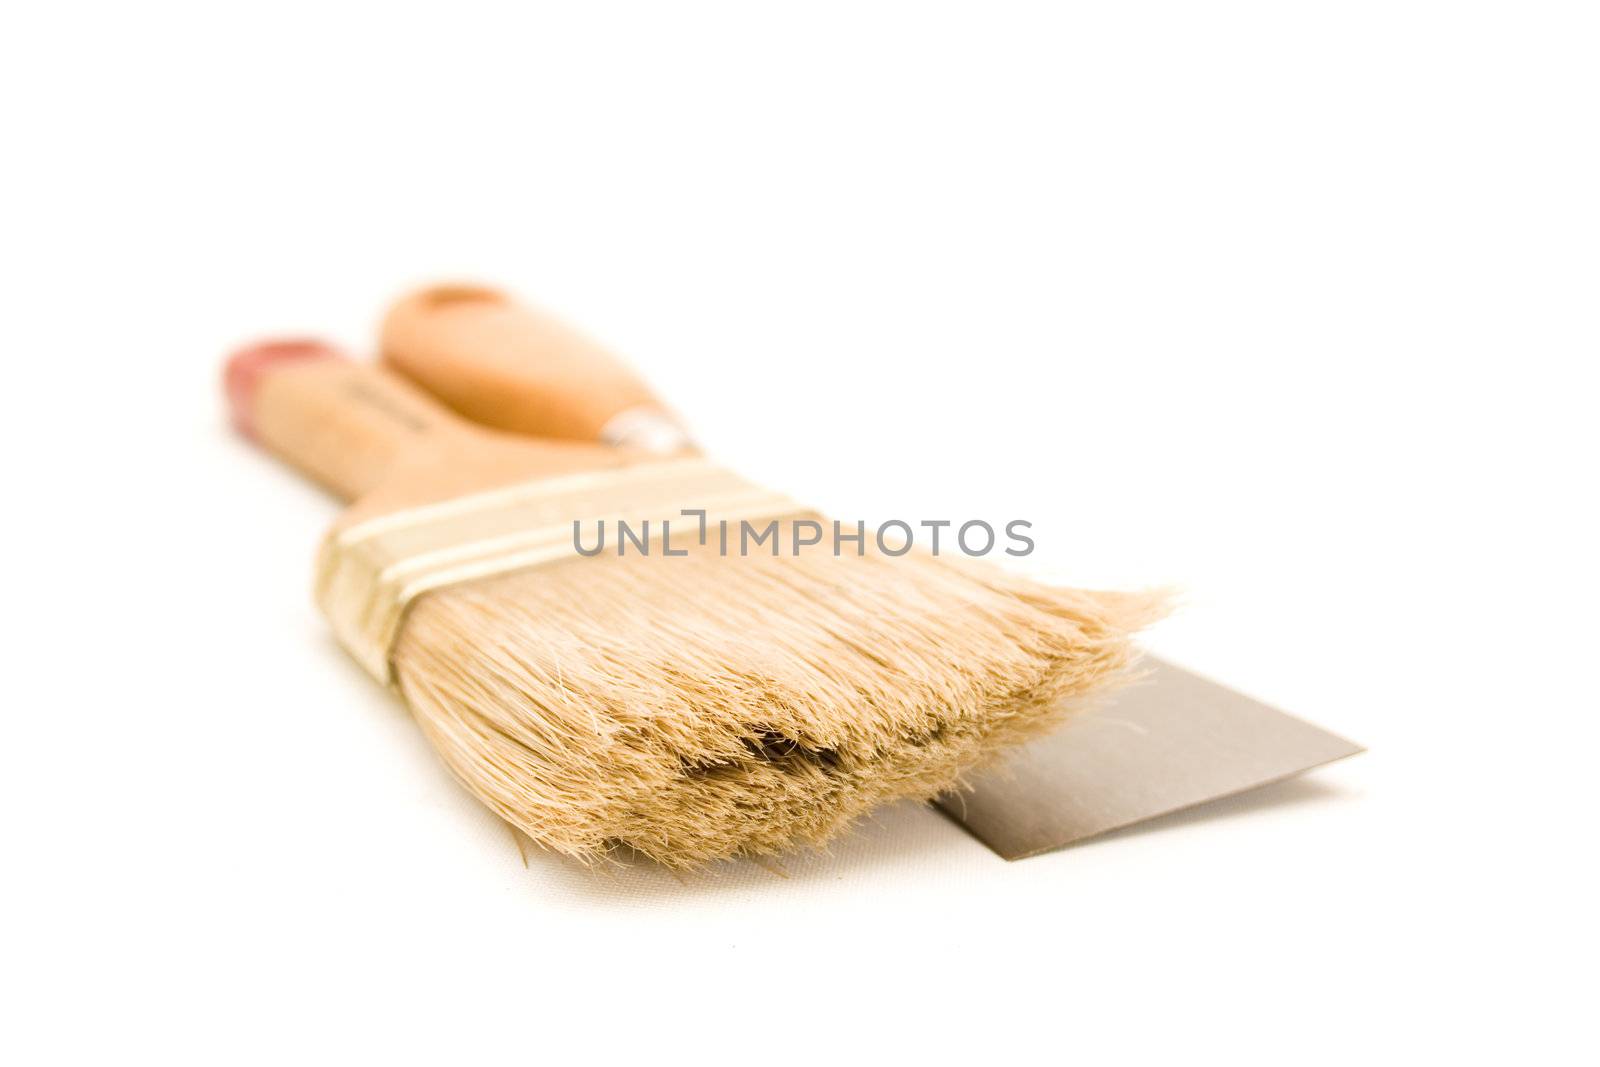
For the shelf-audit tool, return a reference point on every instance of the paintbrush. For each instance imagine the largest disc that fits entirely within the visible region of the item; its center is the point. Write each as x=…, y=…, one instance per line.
x=691, y=706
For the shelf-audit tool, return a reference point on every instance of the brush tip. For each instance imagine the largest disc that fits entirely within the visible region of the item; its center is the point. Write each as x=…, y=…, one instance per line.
x=244, y=370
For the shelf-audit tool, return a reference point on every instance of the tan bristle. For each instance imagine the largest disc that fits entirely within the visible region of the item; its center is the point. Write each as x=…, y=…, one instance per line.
x=703, y=707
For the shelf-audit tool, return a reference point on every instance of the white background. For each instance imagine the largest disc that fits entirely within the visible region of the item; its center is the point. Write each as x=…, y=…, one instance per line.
x=1293, y=305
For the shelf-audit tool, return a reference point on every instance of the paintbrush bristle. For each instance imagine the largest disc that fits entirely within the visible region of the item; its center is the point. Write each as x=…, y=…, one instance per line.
x=703, y=707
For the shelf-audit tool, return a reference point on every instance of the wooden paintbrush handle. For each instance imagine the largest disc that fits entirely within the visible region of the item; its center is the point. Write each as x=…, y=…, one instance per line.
x=506, y=365
x=345, y=424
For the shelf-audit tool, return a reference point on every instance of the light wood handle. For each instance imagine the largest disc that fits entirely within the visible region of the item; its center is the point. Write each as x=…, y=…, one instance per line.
x=508, y=366
x=345, y=424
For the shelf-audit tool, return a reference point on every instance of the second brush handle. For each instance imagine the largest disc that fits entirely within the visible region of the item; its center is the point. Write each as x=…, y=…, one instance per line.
x=509, y=366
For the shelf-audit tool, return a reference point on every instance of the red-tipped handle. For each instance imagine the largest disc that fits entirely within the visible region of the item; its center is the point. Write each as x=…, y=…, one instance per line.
x=341, y=422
